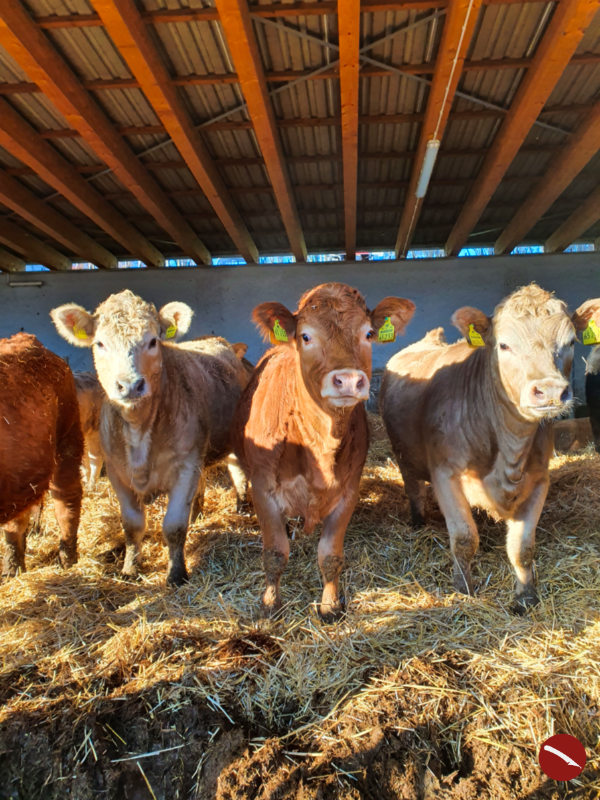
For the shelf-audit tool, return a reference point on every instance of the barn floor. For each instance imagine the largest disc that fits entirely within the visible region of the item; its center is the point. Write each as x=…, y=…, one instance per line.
x=122, y=689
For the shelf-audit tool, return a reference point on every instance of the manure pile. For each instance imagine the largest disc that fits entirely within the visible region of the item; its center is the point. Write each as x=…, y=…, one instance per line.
x=112, y=688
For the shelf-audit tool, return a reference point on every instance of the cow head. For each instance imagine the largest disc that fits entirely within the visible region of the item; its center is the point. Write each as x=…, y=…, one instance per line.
x=530, y=340
x=126, y=335
x=332, y=331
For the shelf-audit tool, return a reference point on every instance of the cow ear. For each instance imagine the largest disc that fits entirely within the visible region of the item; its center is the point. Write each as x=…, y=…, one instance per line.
x=74, y=324
x=274, y=322
x=175, y=319
x=588, y=311
x=390, y=317
x=240, y=349
x=470, y=322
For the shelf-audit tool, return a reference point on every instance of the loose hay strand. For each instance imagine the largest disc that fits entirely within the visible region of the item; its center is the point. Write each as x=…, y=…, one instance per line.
x=221, y=703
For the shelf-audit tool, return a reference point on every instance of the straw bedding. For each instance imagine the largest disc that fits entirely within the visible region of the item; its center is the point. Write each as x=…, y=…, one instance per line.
x=112, y=688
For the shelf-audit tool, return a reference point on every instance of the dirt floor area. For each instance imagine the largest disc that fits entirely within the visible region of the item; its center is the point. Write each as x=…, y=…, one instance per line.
x=113, y=688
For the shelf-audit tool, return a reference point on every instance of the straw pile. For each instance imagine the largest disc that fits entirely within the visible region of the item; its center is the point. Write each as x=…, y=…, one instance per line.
x=124, y=689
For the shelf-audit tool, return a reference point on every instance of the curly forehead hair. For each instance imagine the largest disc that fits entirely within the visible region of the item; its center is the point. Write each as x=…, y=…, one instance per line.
x=336, y=296
x=127, y=313
x=531, y=301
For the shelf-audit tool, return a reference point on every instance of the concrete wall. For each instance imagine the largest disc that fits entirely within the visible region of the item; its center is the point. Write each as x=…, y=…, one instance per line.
x=223, y=297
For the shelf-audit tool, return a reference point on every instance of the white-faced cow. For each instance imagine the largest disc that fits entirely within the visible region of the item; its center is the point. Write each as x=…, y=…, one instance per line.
x=301, y=429
x=40, y=445
x=473, y=420
x=167, y=412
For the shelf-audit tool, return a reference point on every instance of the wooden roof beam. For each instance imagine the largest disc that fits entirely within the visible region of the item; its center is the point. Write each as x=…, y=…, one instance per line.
x=349, y=41
x=126, y=28
x=559, y=42
x=32, y=248
x=236, y=22
x=27, y=205
x=34, y=53
x=10, y=262
x=577, y=224
x=582, y=146
x=459, y=27
x=21, y=140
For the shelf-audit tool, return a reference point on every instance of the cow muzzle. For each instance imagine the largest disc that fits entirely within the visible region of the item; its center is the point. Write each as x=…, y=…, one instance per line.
x=345, y=387
x=548, y=397
x=128, y=390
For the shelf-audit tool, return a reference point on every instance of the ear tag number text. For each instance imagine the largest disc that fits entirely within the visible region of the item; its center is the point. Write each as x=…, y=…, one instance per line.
x=279, y=334
x=474, y=338
x=591, y=334
x=387, y=332
x=170, y=332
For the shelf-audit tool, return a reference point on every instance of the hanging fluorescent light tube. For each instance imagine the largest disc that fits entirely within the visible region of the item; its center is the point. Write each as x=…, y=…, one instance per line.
x=23, y=284
x=431, y=152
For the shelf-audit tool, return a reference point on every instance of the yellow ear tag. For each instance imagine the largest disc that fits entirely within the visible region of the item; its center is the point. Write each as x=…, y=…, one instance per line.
x=279, y=334
x=591, y=334
x=170, y=332
x=80, y=333
x=475, y=339
x=387, y=332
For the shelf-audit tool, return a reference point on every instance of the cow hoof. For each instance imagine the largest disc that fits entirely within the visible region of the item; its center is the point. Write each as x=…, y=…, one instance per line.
x=67, y=557
x=332, y=612
x=463, y=582
x=130, y=571
x=417, y=521
x=524, y=602
x=177, y=577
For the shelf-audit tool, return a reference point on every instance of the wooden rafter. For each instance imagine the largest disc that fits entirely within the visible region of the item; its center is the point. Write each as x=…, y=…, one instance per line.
x=27, y=205
x=34, y=53
x=459, y=27
x=578, y=223
x=10, y=263
x=349, y=42
x=21, y=139
x=126, y=28
x=565, y=30
x=583, y=145
x=237, y=24
x=283, y=76
x=32, y=248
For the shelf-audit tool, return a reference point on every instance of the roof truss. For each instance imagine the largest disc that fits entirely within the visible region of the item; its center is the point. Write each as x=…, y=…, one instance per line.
x=565, y=30
x=578, y=223
x=32, y=248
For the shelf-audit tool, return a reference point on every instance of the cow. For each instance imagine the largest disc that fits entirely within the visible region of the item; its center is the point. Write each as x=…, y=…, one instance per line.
x=473, y=418
x=40, y=446
x=90, y=396
x=592, y=393
x=167, y=410
x=300, y=431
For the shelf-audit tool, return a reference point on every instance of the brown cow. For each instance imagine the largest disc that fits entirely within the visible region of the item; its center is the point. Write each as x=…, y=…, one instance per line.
x=167, y=412
x=472, y=421
x=40, y=445
x=90, y=396
x=301, y=428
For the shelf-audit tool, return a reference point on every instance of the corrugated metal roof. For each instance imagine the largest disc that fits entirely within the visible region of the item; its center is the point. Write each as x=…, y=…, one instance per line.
x=307, y=113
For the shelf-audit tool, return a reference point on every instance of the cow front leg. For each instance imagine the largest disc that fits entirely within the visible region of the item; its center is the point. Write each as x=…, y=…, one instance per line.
x=15, y=533
x=276, y=547
x=331, y=556
x=133, y=520
x=520, y=546
x=464, y=538
x=66, y=490
x=175, y=523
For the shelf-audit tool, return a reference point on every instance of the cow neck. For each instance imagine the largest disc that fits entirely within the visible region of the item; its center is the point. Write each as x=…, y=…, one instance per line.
x=514, y=433
x=315, y=423
x=141, y=416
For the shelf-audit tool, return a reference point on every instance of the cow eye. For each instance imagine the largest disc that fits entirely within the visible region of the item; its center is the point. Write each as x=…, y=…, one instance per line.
x=305, y=337
x=99, y=345
x=370, y=334
x=504, y=346
x=152, y=344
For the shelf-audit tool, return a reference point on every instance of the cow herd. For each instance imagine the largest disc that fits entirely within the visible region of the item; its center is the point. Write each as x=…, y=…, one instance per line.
x=472, y=418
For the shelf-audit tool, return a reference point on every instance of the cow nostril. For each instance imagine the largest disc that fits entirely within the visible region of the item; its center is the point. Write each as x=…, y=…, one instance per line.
x=140, y=385
x=360, y=383
x=537, y=392
x=565, y=395
x=337, y=381
x=119, y=387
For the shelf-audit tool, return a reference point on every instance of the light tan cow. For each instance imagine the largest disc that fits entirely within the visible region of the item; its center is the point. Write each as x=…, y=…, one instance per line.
x=90, y=396
x=167, y=411
x=472, y=421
